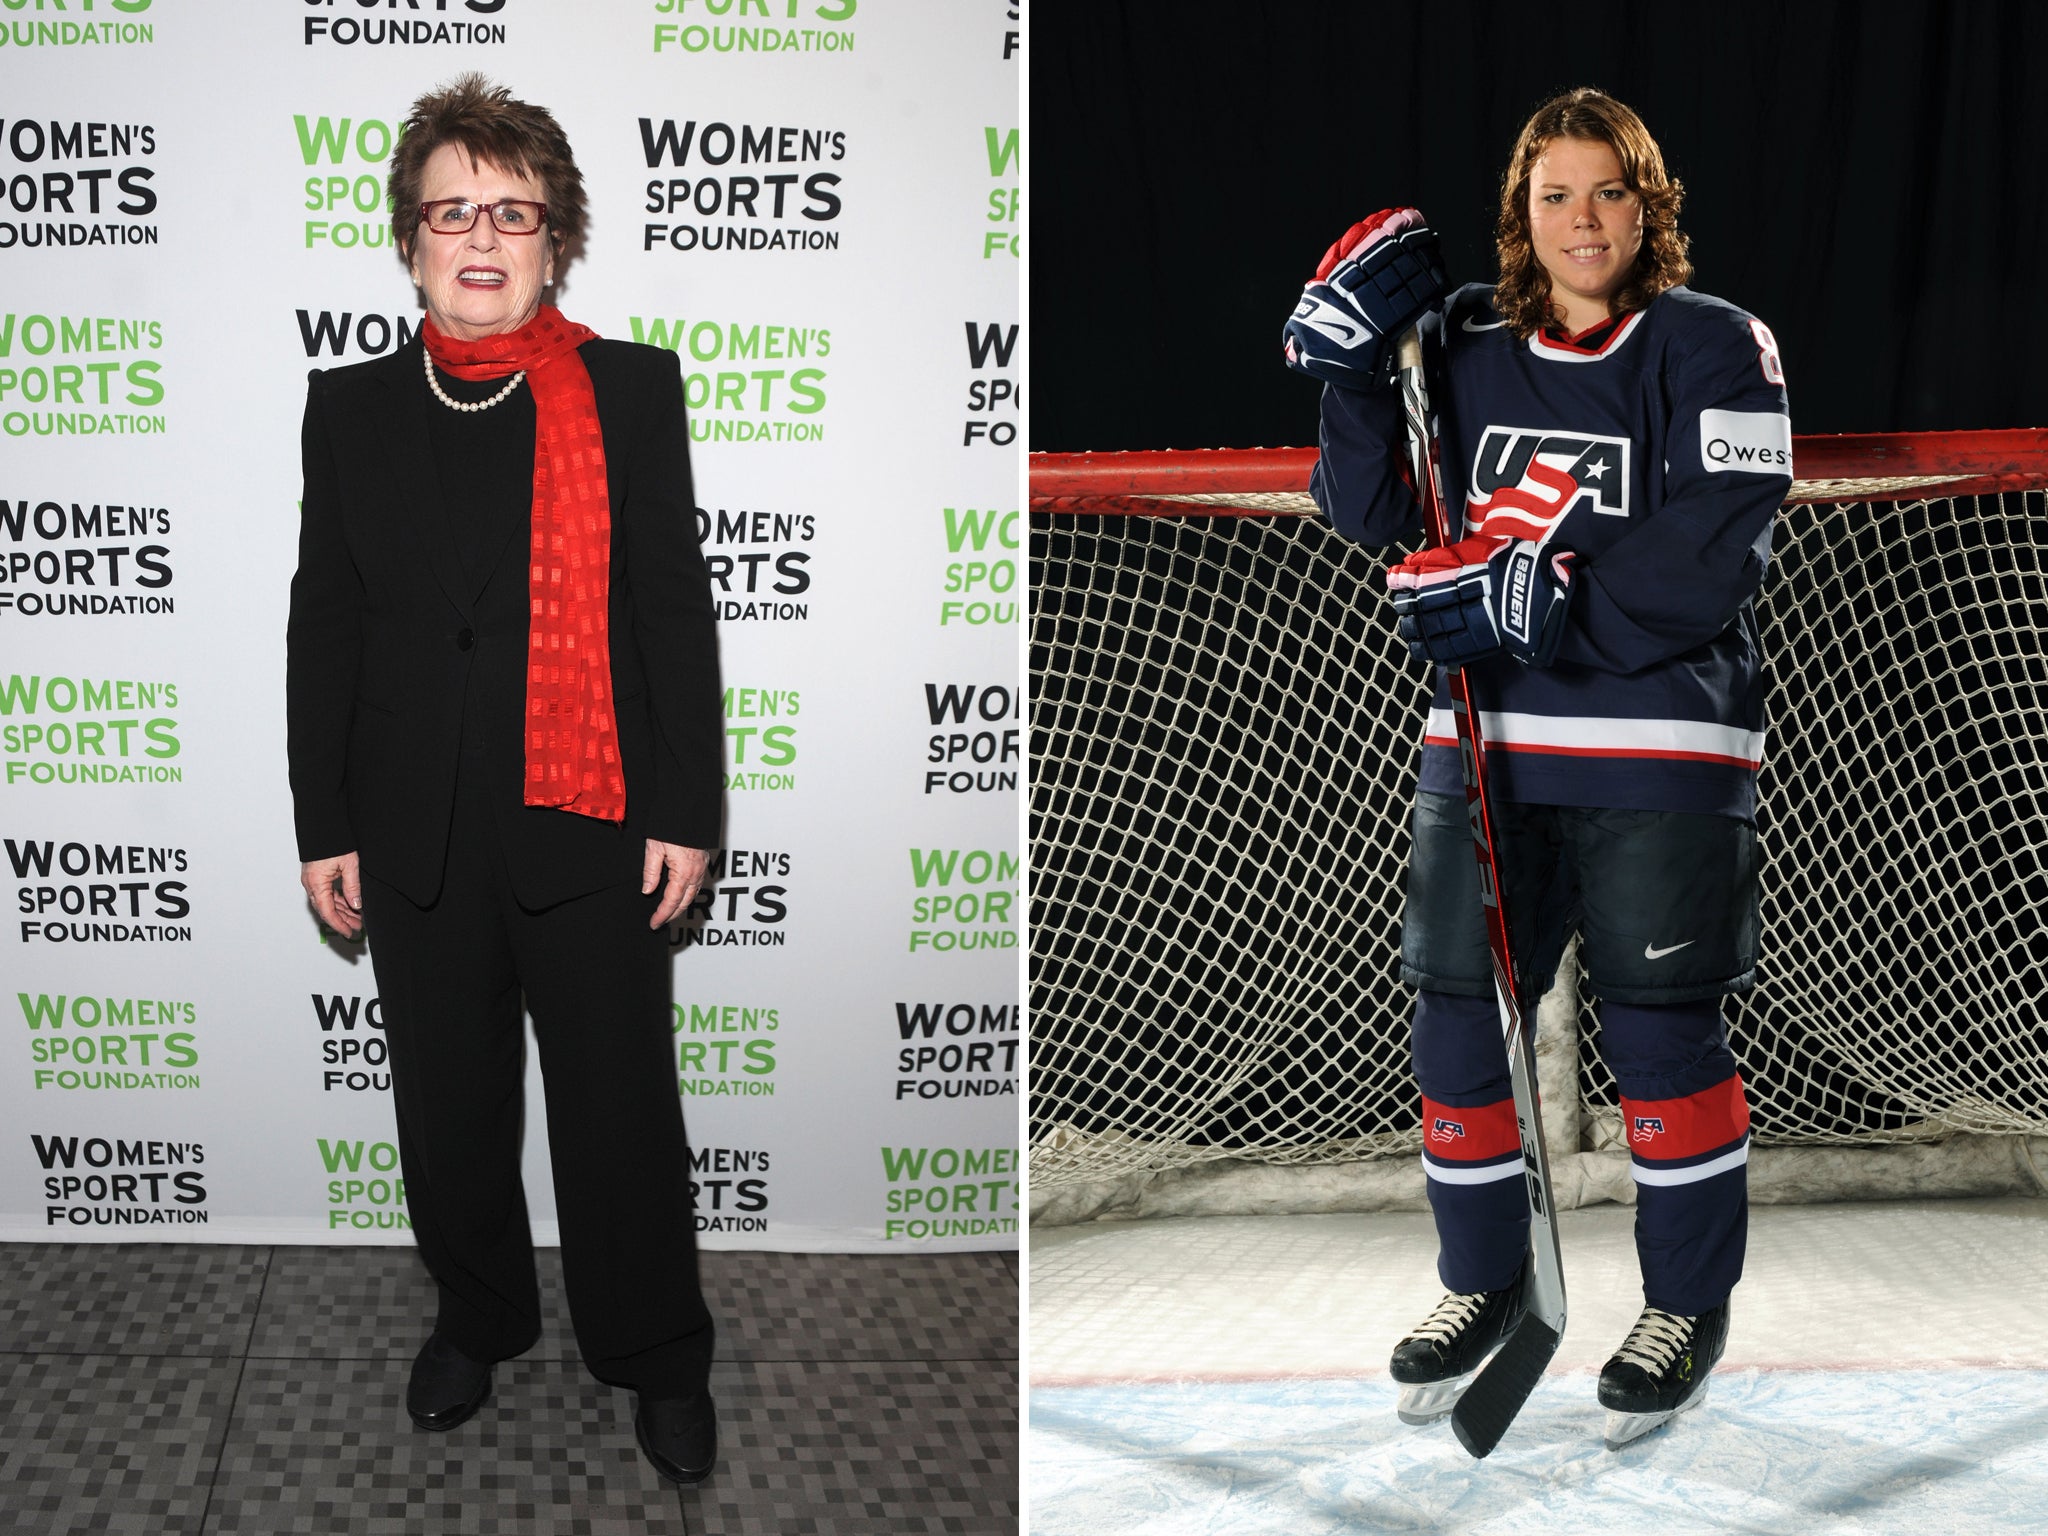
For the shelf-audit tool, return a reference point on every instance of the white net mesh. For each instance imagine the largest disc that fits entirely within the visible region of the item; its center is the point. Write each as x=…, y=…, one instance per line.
x=1224, y=739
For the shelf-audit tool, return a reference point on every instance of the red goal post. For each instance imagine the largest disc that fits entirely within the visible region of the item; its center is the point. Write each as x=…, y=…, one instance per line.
x=1248, y=481
x=1223, y=740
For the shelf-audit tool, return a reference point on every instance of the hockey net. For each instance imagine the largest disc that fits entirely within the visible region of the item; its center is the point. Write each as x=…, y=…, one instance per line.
x=1224, y=738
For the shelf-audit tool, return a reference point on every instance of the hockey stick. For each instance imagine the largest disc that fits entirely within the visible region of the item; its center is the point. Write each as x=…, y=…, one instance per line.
x=1496, y=1395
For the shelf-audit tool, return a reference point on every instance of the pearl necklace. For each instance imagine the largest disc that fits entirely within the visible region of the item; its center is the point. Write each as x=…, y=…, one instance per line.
x=453, y=404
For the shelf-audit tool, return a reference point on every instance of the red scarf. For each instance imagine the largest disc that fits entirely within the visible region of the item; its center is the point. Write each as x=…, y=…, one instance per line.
x=572, y=741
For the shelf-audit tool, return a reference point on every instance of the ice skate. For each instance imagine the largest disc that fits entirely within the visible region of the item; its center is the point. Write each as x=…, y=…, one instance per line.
x=1660, y=1371
x=1436, y=1362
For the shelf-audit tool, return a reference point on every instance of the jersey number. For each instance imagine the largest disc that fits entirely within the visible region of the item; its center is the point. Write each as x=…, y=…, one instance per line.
x=1767, y=352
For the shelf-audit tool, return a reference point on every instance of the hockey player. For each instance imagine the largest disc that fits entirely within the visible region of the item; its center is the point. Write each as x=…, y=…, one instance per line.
x=1618, y=445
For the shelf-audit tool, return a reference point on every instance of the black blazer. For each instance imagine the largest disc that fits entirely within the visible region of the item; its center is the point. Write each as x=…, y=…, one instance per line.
x=393, y=645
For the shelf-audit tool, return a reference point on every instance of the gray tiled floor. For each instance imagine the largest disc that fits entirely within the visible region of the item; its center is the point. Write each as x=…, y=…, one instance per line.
x=174, y=1390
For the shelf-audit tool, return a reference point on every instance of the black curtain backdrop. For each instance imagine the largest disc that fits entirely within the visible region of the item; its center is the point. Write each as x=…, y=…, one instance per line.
x=1867, y=178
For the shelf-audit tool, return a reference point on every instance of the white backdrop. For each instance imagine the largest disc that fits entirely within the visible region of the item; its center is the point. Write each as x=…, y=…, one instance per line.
x=194, y=217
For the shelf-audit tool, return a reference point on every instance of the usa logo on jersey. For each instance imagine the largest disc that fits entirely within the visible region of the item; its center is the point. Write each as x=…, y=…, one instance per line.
x=1526, y=480
x=1647, y=1126
x=1444, y=1129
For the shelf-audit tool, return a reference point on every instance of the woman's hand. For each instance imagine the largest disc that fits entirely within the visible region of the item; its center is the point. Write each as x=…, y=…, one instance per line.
x=685, y=873
x=342, y=913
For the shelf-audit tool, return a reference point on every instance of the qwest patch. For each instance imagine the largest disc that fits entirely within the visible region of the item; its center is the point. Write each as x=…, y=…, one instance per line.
x=1758, y=441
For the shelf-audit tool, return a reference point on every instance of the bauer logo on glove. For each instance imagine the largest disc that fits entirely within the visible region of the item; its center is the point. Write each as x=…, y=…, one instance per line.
x=1382, y=276
x=1483, y=596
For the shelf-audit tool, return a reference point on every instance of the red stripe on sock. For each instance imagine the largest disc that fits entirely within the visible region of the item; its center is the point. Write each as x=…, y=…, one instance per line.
x=1469, y=1135
x=1686, y=1127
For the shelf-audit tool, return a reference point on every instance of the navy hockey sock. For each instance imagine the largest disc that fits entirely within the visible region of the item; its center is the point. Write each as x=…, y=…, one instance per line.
x=1688, y=1134
x=1471, y=1150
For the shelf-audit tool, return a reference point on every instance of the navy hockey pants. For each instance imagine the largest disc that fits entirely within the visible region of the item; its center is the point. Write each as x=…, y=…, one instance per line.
x=1688, y=1135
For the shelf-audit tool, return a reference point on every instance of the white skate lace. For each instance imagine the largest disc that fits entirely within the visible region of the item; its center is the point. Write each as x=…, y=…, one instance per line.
x=1657, y=1339
x=1453, y=1315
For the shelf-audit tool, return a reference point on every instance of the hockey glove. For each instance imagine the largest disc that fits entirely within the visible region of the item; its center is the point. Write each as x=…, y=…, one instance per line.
x=1373, y=284
x=1481, y=597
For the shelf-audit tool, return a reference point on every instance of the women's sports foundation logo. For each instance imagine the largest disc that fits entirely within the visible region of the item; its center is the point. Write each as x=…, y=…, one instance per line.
x=949, y=1192
x=97, y=1043
x=76, y=183
x=78, y=375
x=99, y=893
x=712, y=28
x=59, y=559
x=346, y=30
x=45, y=31
x=100, y=1182
x=85, y=730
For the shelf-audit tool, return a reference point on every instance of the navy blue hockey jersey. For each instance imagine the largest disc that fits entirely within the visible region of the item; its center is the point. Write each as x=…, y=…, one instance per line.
x=1660, y=457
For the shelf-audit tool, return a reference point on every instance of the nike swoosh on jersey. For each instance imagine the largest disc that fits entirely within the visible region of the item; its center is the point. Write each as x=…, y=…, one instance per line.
x=1651, y=952
x=1496, y=325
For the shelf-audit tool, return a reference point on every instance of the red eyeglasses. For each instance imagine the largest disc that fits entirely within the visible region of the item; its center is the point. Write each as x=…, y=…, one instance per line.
x=455, y=216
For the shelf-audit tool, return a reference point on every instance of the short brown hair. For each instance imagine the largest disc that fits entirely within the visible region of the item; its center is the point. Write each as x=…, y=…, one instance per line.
x=484, y=120
x=1522, y=296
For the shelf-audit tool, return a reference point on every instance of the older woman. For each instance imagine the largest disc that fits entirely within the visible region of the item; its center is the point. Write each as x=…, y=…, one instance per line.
x=505, y=751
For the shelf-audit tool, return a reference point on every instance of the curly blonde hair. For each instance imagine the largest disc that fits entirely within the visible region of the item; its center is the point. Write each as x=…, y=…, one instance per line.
x=1522, y=296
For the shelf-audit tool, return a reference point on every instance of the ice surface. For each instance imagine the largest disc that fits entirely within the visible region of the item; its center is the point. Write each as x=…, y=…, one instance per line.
x=1887, y=1371
x=1779, y=1453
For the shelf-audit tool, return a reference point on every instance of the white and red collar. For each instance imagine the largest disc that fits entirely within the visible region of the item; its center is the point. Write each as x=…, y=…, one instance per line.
x=1566, y=352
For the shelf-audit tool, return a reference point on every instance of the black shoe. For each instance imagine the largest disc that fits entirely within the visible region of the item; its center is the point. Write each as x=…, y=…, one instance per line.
x=447, y=1386
x=1436, y=1362
x=679, y=1435
x=1660, y=1370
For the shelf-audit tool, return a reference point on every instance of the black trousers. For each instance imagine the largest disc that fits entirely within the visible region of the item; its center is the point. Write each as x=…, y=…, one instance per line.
x=596, y=980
